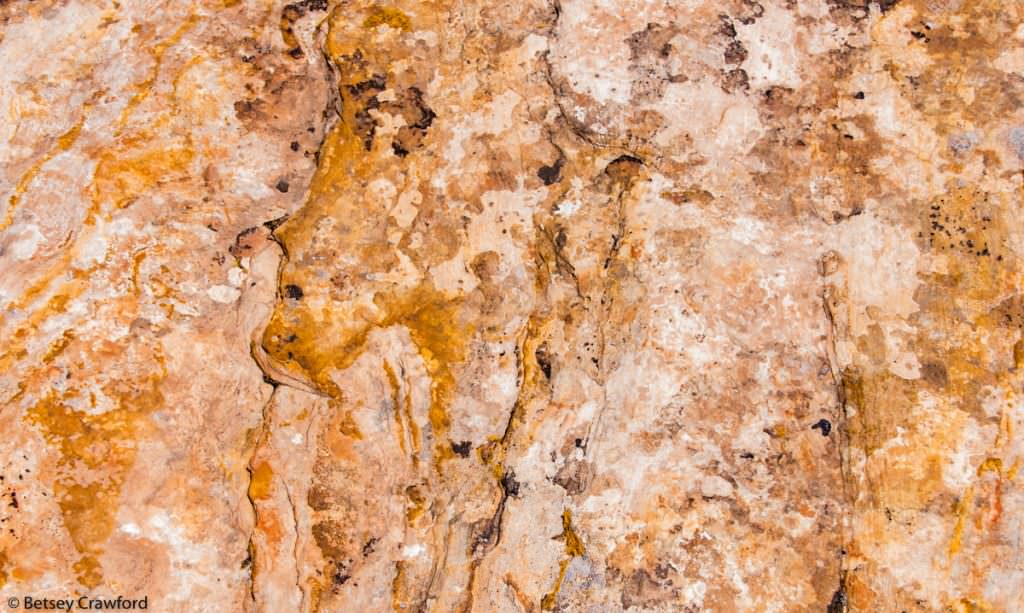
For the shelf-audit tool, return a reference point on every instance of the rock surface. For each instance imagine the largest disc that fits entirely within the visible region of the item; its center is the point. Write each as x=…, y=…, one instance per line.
x=513, y=306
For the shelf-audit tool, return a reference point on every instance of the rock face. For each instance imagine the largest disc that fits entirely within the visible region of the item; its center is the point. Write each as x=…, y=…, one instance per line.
x=513, y=306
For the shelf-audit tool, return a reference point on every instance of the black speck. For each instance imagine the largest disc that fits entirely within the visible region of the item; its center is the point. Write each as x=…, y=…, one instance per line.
x=544, y=361
x=370, y=546
x=282, y=186
x=510, y=485
x=824, y=425
x=462, y=449
x=293, y=291
x=295, y=145
x=859, y=95
x=550, y=174
x=838, y=603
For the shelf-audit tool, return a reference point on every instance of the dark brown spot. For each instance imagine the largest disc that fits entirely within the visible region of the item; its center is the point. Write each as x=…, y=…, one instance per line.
x=462, y=449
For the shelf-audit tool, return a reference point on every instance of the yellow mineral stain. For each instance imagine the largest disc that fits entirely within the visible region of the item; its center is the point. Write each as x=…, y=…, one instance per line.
x=295, y=339
x=95, y=453
x=64, y=142
x=417, y=503
x=991, y=465
x=384, y=15
x=145, y=88
x=396, y=403
x=533, y=380
x=136, y=264
x=140, y=164
x=397, y=603
x=346, y=423
x=963, y=508
x=58, y=346
x=432, y=321
x=573, y=549
x=16, y=343
x=969, y=605
x=414, y=429
x=37, y=289
x=1011, y=473
x=260, y=481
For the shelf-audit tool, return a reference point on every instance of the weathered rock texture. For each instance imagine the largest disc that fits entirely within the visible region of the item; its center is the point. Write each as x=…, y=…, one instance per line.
x=513, y=306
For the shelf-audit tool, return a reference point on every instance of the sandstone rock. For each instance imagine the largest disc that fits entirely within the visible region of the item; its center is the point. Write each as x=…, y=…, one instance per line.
x=544, y=305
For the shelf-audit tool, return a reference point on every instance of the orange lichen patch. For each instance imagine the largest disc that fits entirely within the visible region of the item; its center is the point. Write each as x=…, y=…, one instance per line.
x=432, y=321
x=145, y=88
x=58, y=346
x=971, y=605
x=64, y=142
x=963, y=509
x=385, y=15
x=57, y=269
x=96, y=451
x=1011, y=473
x=1005, y=433
x=342, y=159
x=139, y=165
x=260, y=480
x=417, y=504
x=573, y=548
x=16, y=343
x=397, y=602
x=136, y=265
x=295, y=339
x=396, y=405
x=991, y=465
x=345, y=423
